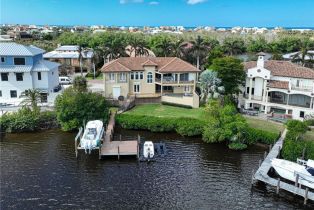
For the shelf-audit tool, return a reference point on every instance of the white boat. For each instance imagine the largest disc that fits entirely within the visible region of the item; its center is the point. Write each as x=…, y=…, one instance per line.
x=92, y=135
x=148, y=149
x=289, y=170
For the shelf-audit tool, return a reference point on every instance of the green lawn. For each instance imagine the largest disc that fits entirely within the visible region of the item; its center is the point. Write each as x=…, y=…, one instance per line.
x=264, y=125
x=166, y=111
x=309, y=135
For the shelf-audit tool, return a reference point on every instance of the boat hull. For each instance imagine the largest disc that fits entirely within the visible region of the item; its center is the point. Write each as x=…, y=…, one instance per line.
x=289, y=171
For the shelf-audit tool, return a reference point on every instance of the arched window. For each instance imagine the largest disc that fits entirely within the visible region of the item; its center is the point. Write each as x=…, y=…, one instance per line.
x=149, y=77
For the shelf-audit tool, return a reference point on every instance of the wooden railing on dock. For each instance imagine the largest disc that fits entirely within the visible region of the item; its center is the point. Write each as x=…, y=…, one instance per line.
x=264, y=167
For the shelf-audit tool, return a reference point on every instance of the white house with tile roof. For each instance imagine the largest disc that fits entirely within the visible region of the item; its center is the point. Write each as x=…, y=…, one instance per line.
x=22, y=68
x=169, y=79
x=278, y=87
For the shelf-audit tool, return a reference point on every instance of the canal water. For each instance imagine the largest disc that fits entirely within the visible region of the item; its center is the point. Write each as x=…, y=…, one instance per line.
x=40, y=171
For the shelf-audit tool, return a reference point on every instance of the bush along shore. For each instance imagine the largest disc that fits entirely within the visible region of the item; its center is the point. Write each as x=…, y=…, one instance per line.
x=295, y=142
x=28, y=120
x=223, y=124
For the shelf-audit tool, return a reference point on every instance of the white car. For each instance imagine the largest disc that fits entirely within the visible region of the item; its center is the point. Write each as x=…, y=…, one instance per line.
x=65, y=80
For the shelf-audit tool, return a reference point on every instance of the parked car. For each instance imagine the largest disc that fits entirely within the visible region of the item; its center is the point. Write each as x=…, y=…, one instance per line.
x=65, y=80
x=57, y=88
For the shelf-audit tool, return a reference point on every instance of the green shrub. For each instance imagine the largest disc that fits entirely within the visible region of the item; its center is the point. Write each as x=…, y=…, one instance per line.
x=293, y=149
x=237, y=146
x=25, y=120
x=310, y=122
x=74, y=107
x=183, y=126
x=254, y=135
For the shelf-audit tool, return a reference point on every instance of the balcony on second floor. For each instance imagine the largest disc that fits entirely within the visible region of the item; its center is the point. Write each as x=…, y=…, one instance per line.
x=175, y=79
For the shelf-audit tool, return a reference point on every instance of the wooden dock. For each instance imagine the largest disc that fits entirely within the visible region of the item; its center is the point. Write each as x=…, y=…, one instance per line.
x=264, y=167
x=109, y=147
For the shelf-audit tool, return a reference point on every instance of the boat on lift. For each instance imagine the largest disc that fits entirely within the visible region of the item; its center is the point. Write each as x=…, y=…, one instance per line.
x=148, y=150
x=289, y=170
x=92, y=135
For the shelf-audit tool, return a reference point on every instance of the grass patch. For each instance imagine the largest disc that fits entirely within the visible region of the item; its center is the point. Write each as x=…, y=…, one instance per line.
x=309, y=135
x=159, y=110
x=264, y=125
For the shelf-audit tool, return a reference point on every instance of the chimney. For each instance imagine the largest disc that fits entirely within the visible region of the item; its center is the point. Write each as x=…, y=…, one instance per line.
x=260, y=59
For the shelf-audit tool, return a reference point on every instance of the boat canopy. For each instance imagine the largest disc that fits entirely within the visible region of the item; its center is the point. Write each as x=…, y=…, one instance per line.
x=310, y=163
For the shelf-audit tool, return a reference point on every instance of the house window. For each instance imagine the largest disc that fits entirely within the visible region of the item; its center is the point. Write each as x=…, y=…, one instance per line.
x=184, y=77
x=149, y=77
x=111, y=77
x=141, y=75
x=19, y=76
x=132, y=75
x=2, y=59
x=302, y=114
x=39, y=75
x=136, y=88
x=298, y=83
x=122, y=77
x=67, y=61
x=4, y=77
x=136, y=75
x=19, y=61
x=253, y=79
x=248, y=90
x=252, y=91
x=13, y=93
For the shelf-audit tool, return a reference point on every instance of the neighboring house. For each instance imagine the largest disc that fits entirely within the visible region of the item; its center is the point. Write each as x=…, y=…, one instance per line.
x=278, y=87
x=22, y=68
x=69, y=55
x=170, y=79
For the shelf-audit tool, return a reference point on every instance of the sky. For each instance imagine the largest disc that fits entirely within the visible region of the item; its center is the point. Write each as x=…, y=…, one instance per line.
x=266, y=13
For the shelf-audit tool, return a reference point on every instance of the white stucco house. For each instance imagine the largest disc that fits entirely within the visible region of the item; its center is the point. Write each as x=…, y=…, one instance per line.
x=278, y=87
x=22, y=68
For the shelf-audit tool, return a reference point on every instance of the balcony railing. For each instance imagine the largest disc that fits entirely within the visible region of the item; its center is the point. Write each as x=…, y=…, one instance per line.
x=303, y=88
x=172, y=81
x=258, y=98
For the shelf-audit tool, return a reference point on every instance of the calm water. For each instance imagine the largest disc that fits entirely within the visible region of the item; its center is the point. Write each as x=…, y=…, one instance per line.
x=40, y=171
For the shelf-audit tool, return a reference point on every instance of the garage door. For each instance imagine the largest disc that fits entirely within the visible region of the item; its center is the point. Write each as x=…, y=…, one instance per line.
x=116, y=91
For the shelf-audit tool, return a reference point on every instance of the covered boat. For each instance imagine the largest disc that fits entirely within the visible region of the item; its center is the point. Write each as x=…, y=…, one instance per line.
x=289, y=170
x=92, y=135
x=148, y=149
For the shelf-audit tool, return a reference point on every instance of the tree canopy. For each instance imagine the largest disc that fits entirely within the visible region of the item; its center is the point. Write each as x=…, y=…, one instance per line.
x=231, y=73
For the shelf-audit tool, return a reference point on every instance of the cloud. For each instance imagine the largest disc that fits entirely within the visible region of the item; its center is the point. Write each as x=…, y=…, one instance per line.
x=153, y=3
x=131, y=1
x=192, y=2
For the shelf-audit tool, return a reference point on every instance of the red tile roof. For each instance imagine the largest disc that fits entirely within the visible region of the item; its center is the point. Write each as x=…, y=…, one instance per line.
x=284, y=69
x=163, y=64
x=278, y=84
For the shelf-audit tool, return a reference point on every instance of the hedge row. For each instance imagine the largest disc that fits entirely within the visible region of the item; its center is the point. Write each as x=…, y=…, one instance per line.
x=183, y=126
x=293, y=149
x=255, y=135
x=26, y=120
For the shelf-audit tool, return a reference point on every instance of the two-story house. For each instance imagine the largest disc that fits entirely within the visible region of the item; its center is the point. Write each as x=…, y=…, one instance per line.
x=22, y=68
x=168, y=78
x=72, y=56
x=278, y=87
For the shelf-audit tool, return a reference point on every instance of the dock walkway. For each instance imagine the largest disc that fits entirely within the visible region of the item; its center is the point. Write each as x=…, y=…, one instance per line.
x=117, y=148
x=262, y=173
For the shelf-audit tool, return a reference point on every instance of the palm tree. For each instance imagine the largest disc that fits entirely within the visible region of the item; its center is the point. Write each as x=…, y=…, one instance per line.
x=233, y=46
x=209, y=84
x=138, y=46
x=199, y=47
x=304, y=56
x=166, y=46
x=33, y=97
x=274, y=49
x=178, y=48
x=114, y=49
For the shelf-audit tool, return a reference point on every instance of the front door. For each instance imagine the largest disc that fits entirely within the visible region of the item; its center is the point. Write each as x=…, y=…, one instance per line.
x=116, y=92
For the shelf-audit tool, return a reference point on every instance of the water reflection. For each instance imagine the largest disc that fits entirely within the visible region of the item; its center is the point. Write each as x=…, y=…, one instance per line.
x=40, y=171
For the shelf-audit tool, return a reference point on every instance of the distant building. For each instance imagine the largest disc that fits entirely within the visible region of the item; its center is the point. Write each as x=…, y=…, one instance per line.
x=70, y=55
x=278, y=87
x=22, y=68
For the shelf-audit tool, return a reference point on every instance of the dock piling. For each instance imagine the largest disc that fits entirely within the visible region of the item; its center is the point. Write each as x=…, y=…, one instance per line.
x=296, y=180
x=278, y=186
x=306, y=195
